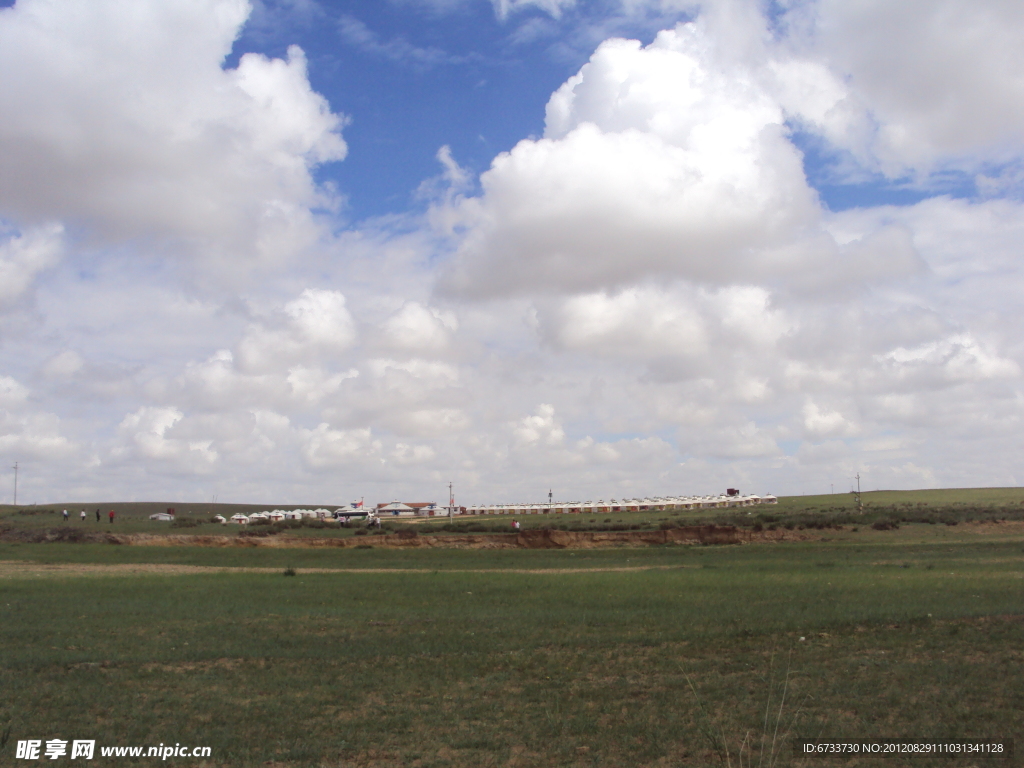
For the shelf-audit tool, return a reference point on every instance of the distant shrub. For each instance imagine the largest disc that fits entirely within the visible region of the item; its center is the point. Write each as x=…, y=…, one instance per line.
x=885, y=525
x=256, y=533
x=184, y=522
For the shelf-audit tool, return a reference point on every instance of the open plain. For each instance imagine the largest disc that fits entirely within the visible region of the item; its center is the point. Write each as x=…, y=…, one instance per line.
x=671, y=654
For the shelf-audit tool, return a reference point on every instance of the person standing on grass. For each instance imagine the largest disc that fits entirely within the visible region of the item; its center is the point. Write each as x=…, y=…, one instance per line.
x=97, y=514
x=65, y=515
x=83, y=516
x=111, y=516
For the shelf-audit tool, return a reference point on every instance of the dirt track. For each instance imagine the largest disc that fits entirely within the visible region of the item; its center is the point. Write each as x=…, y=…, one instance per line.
x=12, y=569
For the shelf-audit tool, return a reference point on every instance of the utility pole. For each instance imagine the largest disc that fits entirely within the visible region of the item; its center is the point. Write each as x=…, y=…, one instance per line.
x=549, y=497
x=15, y=483
x=860, y=507
x=451, y=502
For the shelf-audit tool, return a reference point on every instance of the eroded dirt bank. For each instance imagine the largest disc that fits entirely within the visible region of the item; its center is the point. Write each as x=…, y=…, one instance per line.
x=531, y=539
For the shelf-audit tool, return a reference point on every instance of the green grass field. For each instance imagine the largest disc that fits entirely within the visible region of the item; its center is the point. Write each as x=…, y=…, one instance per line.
x=519, y=658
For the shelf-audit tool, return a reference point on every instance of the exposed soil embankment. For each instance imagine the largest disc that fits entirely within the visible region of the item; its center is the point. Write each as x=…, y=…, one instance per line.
x=530, y=539
x=695, y=534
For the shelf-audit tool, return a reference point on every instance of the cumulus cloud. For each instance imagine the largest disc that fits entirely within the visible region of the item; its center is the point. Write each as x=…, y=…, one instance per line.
x=914, y=86
x=12, y=392
x=23, y=257
x=149, y=432
x=670, y=160
x=124, y=121
x=821, y=422
x=649, y=298
x=26, y=431
x=325, y=447
x=539, y=429
x=314, y=325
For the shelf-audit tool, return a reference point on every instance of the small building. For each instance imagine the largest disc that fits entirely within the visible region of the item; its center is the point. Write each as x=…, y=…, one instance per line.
x=239, y=519
x=396, y=509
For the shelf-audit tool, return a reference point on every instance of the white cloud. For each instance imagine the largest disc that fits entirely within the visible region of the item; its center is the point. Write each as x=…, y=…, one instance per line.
x=821, y=422
x=931, y=84
x=672, y=160
x=63, y=365
x=956, y=358
x=12, y=392
x=539, y=429
x=23, y=257
x=420, y=329
x=149, y=433
x=650, y=298
x=34, y=435
x=314, y=384
x=123, y=121
x=314, y=326
x=325, y=447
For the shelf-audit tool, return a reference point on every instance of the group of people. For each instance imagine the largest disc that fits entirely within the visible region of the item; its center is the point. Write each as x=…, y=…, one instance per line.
x=81, y=516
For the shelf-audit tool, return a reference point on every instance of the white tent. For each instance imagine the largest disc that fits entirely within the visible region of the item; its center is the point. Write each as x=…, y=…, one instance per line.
x=395, y=509
x=240, y=519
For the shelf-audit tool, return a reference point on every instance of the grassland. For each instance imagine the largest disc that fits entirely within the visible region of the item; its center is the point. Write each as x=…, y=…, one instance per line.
x=500, y=667
x=661, y=656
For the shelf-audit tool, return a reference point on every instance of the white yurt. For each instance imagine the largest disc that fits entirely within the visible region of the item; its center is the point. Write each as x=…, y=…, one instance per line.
x=240, y=519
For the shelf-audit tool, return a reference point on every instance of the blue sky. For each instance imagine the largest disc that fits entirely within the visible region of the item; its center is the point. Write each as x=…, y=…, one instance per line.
x=412, y=78
x=311, y=251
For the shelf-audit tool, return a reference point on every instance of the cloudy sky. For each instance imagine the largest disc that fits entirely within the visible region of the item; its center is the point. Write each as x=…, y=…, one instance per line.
x=307, y=251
